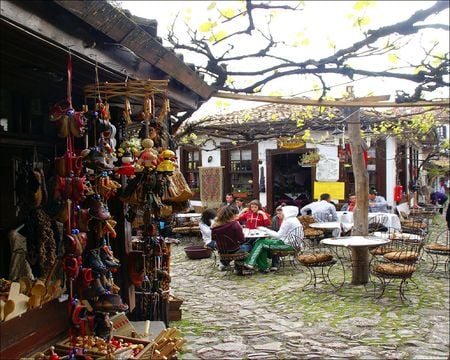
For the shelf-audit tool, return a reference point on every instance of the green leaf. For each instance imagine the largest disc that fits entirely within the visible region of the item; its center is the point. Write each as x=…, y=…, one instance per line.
x=206, y=26
x=305, y=42
x=419, y=69
x=363, y=21
x=362, y=5
x=211, y=6
x=220, y=35
x=228, y=13
x=393, y=58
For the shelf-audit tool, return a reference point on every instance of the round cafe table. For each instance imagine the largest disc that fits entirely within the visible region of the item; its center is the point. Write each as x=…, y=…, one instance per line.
x=333, y=227
x=360, y=263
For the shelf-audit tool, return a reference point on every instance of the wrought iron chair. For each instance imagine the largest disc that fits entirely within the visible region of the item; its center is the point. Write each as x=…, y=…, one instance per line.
x=397, y=265
x=310, y=233
x=378, y=223
x=294, y=239
x=321, y=261
x=415, y=226
x=438, y=251
x=232, y=260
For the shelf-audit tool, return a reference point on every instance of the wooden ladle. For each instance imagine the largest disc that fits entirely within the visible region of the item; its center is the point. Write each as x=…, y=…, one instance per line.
x=8, y=309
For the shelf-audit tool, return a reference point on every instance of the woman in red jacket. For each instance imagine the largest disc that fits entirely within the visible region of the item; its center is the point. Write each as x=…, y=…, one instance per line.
x=254, y=216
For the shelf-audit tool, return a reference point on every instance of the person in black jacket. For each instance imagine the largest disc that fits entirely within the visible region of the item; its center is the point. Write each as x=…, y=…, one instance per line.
x=438, y=198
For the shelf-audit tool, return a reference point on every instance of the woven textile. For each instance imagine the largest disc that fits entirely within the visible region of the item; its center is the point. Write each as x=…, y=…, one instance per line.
x=211, y=185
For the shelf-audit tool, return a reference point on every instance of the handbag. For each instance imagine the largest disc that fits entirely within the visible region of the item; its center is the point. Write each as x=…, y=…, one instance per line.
x=176, y=189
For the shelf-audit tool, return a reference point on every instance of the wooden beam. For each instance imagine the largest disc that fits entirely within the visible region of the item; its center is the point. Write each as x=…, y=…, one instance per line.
x=354, y=103
x=113, y=23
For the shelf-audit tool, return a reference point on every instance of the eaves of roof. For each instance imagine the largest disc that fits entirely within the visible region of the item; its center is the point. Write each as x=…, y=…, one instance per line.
x=126, y=32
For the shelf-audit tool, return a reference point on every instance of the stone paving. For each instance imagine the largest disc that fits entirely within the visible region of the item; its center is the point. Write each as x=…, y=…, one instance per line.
x=269, y=316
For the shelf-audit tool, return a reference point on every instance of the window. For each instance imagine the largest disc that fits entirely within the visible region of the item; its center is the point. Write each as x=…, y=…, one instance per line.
x=190, y=162
x=241, y=171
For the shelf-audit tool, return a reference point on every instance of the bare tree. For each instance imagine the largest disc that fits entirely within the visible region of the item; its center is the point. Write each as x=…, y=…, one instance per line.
x=217, y=51
x=217, y=48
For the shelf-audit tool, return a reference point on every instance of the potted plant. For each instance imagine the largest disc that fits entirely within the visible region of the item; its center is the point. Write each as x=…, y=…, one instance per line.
x=240, y=193
x=309, y=159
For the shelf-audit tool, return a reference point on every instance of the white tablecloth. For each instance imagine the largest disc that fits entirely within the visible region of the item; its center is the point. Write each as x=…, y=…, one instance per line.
x=346, y=218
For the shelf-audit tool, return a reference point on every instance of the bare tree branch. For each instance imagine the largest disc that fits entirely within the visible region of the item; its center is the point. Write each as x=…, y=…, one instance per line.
x=218, y=67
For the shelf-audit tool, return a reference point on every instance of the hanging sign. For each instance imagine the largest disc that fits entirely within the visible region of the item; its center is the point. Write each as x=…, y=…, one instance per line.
x=327, y=169
x=335, y=189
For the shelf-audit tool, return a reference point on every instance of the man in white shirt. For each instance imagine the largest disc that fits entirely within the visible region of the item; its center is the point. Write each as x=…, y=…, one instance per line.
x=322, y=210
x=377, y=203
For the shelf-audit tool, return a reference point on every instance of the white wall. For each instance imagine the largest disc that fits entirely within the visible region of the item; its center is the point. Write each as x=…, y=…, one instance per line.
x=391, y=169
x=262, y=148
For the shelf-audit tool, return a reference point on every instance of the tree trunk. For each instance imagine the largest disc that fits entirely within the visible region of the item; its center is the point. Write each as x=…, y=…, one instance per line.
x=360, y=255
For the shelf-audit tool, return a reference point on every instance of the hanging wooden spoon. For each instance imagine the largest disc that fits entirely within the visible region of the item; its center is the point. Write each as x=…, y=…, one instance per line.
x=9, y=308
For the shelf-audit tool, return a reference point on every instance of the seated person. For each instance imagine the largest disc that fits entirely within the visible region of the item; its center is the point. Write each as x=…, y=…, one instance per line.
x=229, y=200
x=377, y=203
x=226, y=223
x=322, y=210
x=350, y=206
x=277, y=218
x=205, y=227
x=262, y=247
x=254, y=216
x=239, y=203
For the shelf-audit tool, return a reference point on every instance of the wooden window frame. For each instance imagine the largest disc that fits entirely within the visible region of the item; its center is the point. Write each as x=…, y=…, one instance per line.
x=184, y=166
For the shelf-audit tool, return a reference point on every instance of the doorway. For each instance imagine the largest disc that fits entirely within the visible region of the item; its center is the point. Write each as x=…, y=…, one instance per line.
x=289, y=182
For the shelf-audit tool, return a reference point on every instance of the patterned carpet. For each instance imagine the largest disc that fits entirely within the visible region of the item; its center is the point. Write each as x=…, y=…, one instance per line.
x=211, y=185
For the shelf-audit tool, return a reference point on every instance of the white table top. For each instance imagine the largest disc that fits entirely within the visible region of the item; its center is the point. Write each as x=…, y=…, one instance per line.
x=398, y=236
x=253, y=233
x=356, y=241
x=326, y=225
x=346, y=218
x=188, y=215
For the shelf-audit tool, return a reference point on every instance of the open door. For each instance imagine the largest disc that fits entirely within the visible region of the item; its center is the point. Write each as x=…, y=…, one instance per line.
x=287, y=180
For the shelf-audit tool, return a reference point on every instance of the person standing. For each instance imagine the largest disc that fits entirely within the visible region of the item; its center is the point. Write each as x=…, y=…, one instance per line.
x=377, y=203
x=322, y=210
x=438, y=198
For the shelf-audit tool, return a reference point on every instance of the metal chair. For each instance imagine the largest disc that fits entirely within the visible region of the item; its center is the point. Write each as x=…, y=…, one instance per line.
x=378, y=222
x=232, y=259
x=294, y=239
x=321, y=261
x=438, y=251
x=308, y=232
x=399, y=264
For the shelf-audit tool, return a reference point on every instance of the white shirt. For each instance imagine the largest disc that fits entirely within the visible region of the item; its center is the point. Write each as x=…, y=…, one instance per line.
x=206, y=232
x=289, y=224
x=322, y=209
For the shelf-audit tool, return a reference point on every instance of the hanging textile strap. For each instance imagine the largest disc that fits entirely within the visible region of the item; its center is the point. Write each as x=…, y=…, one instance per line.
x=69, y=79
x=69, y=138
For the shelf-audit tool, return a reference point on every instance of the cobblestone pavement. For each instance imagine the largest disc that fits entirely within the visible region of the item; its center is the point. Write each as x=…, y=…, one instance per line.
x=269, y=316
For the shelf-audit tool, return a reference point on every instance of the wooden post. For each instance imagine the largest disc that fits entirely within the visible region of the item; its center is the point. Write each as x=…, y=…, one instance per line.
x=360, y=255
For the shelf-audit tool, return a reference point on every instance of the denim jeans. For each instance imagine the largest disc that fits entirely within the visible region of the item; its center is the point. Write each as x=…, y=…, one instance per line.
x=242, y=248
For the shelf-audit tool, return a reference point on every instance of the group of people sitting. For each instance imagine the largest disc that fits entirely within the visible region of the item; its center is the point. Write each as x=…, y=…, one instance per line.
x=229, y=221
x=232, y=217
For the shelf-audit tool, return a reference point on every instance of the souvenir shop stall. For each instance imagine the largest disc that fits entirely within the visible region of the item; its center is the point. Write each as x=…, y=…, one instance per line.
x=90, y=181
x=94, y=241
